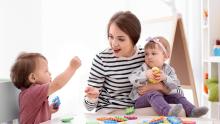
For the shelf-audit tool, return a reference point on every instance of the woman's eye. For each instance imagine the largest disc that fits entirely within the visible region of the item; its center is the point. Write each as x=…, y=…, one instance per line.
x=121, y=39
x=110, y=37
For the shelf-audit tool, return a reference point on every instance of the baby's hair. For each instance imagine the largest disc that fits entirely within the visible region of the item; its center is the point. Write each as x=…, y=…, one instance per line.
x=152, y=44
x=24, y=65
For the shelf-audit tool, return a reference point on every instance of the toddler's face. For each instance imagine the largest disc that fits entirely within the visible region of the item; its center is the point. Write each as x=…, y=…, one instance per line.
x=42, y=73
x=154, y=57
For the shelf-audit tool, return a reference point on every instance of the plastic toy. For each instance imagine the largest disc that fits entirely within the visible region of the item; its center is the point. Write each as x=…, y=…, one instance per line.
x=174, y=120
x=130, y=117
x=156, y=71
x=56, y=102
x=110, y=122
x=67, y=119
x=116, y=118
x=213, y=89
x=129, y=110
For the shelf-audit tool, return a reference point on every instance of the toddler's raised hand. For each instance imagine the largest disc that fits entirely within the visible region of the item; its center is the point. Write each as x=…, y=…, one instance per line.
x=75, y=62
x=92, y=92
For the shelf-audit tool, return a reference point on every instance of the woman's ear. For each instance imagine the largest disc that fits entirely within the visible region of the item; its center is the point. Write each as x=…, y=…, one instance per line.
x=32, y=78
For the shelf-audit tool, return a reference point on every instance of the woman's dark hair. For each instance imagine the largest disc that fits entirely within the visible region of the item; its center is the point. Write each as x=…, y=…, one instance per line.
x=24, y=65
x=128, y=23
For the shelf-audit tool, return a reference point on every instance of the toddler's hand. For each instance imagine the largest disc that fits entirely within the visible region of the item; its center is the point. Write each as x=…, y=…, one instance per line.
x=92, y=92
x=160, y=76
x=52, y=109
x=75, y=62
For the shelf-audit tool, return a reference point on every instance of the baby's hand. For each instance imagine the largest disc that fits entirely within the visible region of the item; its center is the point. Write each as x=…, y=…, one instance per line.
x=75, y=62
x=154, y=75
x=92, y=92
x=52, y=109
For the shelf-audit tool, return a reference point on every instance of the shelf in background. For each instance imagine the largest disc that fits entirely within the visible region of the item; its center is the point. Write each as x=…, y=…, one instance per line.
x=213, y=59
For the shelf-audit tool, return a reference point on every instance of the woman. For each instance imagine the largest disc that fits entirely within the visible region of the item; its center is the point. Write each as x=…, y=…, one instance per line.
x=108, y=82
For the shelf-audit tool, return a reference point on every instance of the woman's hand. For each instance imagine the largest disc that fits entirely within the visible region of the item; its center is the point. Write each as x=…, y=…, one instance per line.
x=157, y=86
x=92, y=92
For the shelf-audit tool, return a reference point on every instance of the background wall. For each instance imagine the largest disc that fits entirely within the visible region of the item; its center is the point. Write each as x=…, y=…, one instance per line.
x=61, y=29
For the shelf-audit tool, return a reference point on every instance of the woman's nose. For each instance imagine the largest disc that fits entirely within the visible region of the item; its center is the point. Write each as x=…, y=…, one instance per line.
x=114, y=42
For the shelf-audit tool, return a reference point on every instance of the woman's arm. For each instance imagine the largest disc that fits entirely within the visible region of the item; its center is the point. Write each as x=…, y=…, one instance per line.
x=95, y=83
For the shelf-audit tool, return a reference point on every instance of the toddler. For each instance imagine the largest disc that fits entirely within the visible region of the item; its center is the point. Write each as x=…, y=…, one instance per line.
x=157, y=51
x=30, y=74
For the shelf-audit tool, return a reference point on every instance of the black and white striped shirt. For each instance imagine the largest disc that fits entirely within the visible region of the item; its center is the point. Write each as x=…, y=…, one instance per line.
x=110, y=74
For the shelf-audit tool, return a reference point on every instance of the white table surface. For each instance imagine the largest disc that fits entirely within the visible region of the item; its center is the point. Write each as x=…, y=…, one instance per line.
x=83, y=118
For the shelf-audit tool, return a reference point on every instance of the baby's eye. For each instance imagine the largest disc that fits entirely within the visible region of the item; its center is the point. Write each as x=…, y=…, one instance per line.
x=154, y=53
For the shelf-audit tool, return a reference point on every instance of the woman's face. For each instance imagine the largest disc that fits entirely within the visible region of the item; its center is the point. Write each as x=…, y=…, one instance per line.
x=120, y=42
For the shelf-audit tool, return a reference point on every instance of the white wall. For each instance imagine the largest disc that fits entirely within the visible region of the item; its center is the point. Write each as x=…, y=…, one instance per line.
x=20, y=30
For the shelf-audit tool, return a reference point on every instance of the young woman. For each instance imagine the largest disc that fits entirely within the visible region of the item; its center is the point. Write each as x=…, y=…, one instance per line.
x=108, y=85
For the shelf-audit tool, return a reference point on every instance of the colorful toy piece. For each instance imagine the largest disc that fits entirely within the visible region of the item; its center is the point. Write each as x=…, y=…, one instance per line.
x=130, y=117
x=129, y=110
x=56, y=102
x=67, y=119
x=156, y=71
x=110, y=122
x=174, y=120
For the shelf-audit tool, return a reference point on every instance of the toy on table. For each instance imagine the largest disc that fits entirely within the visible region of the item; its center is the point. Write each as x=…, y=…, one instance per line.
x=188, y=121
x=116, y=118
x=56, y=102
x=156, y=72
x=157, y=120
x=174, y=120
x=67, y=119
x=130, y=117
x=129, y=110
x=110, y=122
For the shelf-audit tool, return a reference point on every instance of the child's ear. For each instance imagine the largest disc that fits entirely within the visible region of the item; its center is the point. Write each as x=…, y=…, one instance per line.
x=32, y=78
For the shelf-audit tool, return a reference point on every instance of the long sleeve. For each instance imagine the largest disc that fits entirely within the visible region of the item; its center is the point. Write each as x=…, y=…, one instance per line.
x=96, y=79
x=172, y=82
x=138, y=76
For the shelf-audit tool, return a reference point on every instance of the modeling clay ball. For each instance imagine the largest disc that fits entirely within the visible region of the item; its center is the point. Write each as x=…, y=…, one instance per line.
x=67, y=119
x=56, y=102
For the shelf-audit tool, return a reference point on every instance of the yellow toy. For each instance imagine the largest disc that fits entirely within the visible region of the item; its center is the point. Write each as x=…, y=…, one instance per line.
x=156, y=71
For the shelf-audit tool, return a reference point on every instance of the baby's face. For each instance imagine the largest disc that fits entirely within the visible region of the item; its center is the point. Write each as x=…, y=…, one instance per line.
x=42, y=73
x=154, y=57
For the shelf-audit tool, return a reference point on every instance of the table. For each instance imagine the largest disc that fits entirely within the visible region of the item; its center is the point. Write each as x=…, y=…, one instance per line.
x=83, y=118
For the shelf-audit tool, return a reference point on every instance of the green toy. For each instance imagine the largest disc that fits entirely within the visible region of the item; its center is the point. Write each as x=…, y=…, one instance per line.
x=212, y=89
x=67, y=119
x=129, y=110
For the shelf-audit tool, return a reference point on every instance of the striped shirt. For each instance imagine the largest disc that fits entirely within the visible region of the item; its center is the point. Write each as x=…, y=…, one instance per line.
x=110, y=75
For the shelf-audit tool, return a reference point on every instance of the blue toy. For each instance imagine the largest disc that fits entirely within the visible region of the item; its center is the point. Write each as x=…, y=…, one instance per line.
x=56, y=102
x=174, y=120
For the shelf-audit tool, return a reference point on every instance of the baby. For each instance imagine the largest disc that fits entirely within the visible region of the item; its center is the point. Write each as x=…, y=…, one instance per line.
x=157, y=51
x=30, y=74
